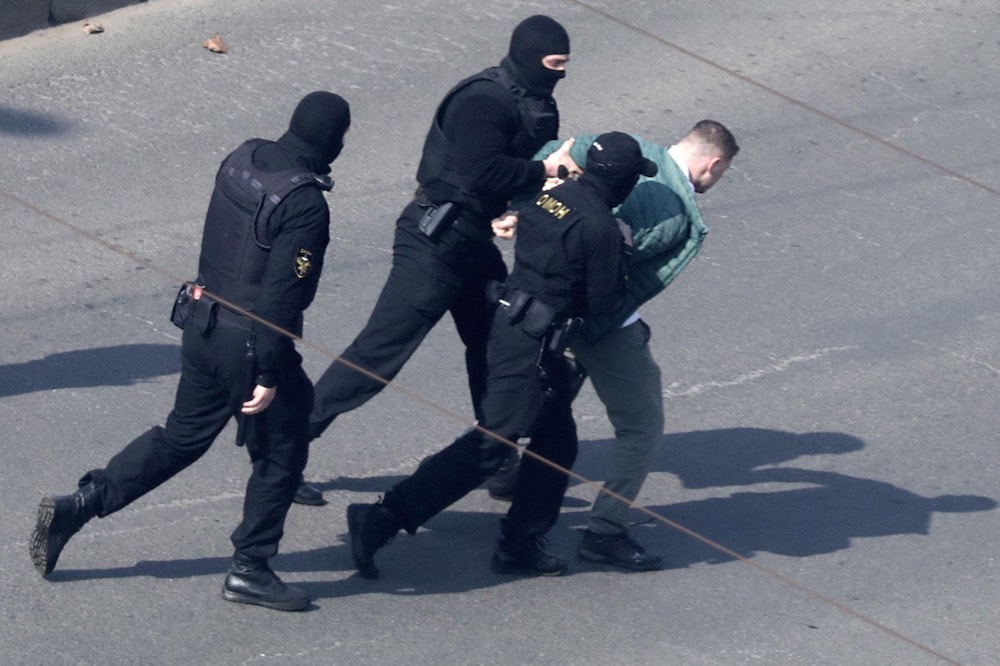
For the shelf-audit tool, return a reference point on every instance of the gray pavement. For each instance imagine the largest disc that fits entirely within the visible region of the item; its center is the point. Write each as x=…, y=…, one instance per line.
x=830, y=359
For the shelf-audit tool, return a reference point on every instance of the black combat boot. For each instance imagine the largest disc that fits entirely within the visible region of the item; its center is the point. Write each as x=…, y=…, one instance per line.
x=523, y=554
x=251, y=581
x=371, y=526
x=309, y=495
x=59, y=518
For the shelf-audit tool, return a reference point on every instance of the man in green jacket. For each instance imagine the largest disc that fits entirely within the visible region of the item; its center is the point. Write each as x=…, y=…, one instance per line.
x=666, y=231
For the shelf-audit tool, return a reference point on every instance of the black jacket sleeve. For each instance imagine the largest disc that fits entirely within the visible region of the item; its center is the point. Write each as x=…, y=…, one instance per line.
x=606, y=273
x=300, y=232
x=483, y=127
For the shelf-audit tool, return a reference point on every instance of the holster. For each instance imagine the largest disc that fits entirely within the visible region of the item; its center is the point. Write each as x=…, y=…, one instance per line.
x=559, y=376
x=562, y=334
x=438, y=218
x=557, y=379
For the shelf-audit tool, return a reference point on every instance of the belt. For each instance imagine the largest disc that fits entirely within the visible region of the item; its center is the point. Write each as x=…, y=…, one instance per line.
x=234, y=319
x=470, y=227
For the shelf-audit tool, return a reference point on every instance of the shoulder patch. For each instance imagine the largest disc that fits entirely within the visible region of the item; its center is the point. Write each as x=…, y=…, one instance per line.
x=303, y=262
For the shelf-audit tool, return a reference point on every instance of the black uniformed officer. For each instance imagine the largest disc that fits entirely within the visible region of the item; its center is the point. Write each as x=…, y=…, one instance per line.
x=476, y=156
x=265, y=235
x=568, y=264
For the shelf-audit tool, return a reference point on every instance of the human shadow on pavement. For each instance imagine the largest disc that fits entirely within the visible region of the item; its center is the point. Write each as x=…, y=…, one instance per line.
x=822, y=513
x=452, y=556
x=822, y=517
x=359, y=484
x=381, y=484
x=122, y=365
x=31, y=123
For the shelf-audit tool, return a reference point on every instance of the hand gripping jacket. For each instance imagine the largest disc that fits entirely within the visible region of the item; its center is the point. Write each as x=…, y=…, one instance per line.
x=234, y=250
x=540, y=123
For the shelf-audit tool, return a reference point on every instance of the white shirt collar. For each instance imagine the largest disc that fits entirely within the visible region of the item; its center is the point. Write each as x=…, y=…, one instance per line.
x=674, y=152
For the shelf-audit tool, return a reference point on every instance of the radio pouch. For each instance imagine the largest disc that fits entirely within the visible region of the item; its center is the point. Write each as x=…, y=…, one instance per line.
x=205, y=314
x=538, y=317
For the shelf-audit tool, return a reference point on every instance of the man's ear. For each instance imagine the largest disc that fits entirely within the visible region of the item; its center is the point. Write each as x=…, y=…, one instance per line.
x=713, y=164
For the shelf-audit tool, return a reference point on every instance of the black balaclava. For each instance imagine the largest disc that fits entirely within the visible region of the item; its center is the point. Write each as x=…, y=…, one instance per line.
x=533, y=39
x=317, y=129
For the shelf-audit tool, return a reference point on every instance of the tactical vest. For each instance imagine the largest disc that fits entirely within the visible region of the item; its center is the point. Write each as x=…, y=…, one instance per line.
x=539, y=124
x=234, y=247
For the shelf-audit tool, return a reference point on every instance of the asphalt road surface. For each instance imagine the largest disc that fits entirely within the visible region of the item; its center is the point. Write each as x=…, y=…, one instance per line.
x=828, y=478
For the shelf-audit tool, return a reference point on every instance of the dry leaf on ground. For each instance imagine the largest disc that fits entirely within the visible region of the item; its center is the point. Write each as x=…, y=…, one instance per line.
x=216, y=45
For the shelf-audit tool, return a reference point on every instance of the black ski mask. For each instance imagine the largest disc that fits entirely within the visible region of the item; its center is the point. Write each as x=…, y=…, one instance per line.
x=317, y=128
x=533, y=39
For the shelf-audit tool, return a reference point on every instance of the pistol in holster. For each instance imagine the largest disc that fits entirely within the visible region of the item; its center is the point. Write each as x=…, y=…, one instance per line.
x=438, y=218
x=562, y=333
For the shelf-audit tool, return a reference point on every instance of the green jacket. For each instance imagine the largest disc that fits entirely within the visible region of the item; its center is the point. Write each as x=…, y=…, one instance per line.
x=667, y=229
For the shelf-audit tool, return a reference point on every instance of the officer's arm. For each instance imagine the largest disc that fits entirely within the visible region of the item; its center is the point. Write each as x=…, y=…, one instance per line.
x=301, y=234
x=606, y=277
x=577, y=153
x=482, y=128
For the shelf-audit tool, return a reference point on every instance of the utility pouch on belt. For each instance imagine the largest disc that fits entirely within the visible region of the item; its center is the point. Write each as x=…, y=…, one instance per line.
x=538, y=317
x=513, y=302
x=184, y=304
x=206, y=312
x=438, y=219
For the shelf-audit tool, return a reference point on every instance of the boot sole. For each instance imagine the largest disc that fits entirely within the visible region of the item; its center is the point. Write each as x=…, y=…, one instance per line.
x=38, y=547
x=240, y=598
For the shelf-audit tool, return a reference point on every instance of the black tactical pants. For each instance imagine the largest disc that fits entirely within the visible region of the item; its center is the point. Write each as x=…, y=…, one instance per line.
x=513, y=392
x=427, y=280
x=215, y=380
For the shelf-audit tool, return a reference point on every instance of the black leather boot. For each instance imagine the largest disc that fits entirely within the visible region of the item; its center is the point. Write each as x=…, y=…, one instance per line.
x=371, y=526
x=523, y=554
x=308, y=495
x=251, y=581
x=59, y=518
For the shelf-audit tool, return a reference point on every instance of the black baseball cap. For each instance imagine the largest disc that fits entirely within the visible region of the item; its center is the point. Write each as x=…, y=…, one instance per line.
x=618, y=154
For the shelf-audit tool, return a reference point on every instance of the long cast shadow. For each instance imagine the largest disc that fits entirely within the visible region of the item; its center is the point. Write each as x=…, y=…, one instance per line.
x=104, y=366
x=32, y=123
x=824, y=516
x=410, y=566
